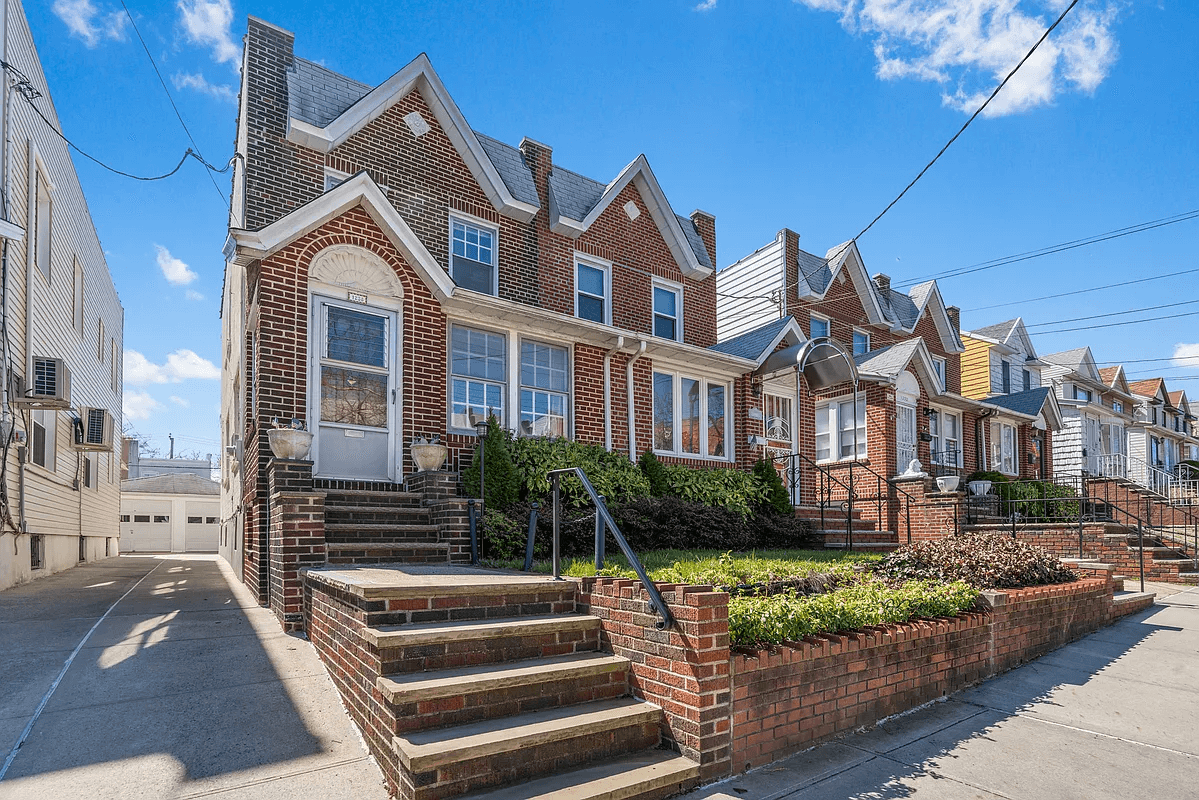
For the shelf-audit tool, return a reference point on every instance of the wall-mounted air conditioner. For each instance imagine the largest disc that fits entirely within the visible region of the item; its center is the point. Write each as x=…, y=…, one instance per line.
x=50, y=386
x=93, y=431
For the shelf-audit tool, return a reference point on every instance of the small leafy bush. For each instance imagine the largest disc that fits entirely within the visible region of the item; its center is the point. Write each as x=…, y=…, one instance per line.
x=728, y=488
x=503, y=488
x=777, y=618
x=987, y=475
x=777, y=497
x=983, y=560
x=652, y=468
x=501, y=536
x=1033, y=500
x=612, y=474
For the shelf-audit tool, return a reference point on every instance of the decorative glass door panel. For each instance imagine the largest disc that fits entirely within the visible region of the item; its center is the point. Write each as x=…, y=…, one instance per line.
x=355, y=392
x=905, y=435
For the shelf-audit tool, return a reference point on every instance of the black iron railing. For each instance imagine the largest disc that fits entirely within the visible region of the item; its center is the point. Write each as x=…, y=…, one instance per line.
x=945, y=463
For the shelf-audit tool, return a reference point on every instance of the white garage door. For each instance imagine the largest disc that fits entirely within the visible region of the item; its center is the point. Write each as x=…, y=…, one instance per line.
x=202, y=531
x=146, y=530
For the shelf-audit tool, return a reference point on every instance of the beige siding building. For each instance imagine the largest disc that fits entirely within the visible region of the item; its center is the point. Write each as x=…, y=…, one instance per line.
x=62, y=352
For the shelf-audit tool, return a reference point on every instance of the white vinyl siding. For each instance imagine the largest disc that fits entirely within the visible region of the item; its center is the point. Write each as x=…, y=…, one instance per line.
x=743, y=299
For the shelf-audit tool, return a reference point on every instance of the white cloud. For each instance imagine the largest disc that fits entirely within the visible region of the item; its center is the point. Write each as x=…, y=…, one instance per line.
x=173, y=269
x=968, y=46
x=192, y=294
x=138, y=405
x=207, y=22
x=1186, y=355
x=705, y=5
x=180, y=365
x=90, y=24
x=197, y=81
x=180, y=401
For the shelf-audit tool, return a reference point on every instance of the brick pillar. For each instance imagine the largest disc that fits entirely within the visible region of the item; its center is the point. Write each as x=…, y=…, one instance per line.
x=297, y=536
x=441, y=494
x=935, y=514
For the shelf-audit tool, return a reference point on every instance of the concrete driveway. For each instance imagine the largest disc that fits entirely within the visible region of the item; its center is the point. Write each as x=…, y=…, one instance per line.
x=186, y=689
x=1110, y=716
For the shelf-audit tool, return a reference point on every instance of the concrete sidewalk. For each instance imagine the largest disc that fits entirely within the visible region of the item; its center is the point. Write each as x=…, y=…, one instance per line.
x=187, y=689
x=1109, y=716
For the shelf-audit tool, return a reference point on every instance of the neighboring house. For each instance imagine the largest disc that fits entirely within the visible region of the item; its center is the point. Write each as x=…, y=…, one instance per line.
x=392, y=274
x=1097, y=409
x=1161, y=435
x=1000, y=367
x=138, y=467
x=170, y=514
x=62, y=352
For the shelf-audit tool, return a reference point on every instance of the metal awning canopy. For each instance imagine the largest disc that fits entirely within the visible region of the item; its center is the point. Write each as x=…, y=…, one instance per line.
x=823, y=362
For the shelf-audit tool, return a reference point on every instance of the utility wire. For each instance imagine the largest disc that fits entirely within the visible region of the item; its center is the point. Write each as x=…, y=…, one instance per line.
x=986, y=102
x=1117, y=324
x=1113, y=314
x=190, y=138
x=1083, y=291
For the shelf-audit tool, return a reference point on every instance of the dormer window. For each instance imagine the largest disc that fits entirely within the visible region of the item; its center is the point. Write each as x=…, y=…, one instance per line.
x=1082, y=394
x=1027, y=380
x=473, y=256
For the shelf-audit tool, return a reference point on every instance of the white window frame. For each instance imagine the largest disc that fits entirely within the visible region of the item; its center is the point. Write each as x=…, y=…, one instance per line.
x=475, y=222
x=832, y=406
x=1000, y=464
x=606, y=268
x=505, y=384
x=854, y=344
x=828, y=325
x=522, y=387
x=1118, y=406
x=677, y=419
x=1026, y=379
x=677, y=290
x=940, y=366
x=940, y=442
x=1087, y=395
x=1005, y=376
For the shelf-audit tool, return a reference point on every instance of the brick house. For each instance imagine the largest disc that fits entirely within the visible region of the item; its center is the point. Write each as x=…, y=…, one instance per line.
x=1000, y=366
x=394, y=274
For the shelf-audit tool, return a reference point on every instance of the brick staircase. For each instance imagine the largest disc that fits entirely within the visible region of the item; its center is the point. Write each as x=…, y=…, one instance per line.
x=490, y=685
x=1163, y=562
x=374, y=526
x=866, y=535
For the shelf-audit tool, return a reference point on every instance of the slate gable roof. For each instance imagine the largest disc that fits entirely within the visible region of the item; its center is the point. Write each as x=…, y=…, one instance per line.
x=751, y=344
x=1068, y=358
x=999, y=330
x=888, y=361
x=318, y=95
x=1030, y=402
x=183, y=483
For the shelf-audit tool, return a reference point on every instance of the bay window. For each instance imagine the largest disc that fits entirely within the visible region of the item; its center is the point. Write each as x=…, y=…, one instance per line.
x=836, y=428
x=543, y=389
x=478, y=370
x=689, y=416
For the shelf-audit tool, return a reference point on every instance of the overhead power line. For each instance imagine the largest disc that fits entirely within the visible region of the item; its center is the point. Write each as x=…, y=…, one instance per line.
x=1112, y=314
x=1083, y=291
x=986, y=103
x=1117, y=324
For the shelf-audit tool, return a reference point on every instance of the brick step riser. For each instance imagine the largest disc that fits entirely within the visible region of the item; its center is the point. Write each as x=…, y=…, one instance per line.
x=509, y=701
x=381, y=516
x=829, y=513
x=380, y=538
x=454, y=780
x=405, y=556
x=829, y=537
x=458, y=608
x=466, y=653
x=381, y=500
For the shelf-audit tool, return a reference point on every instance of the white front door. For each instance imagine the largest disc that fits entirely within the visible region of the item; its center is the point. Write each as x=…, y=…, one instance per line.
x=905, y=434
x=353, y=379
x=1093, y=442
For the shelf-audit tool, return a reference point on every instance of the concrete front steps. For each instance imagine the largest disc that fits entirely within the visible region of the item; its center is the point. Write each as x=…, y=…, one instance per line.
x=491, y=686
x=374, y=526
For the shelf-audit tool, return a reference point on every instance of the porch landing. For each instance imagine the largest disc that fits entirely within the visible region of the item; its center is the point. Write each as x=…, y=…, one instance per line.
x=387, y=581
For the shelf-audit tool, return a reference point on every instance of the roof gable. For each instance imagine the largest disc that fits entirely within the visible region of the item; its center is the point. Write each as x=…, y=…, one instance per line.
x=1150, y=387
x=309, y=124
x=888, y=362
x=1031, y=403
x=1011, y=334
x=926, y=297
x=576, y=202
x=760, y=342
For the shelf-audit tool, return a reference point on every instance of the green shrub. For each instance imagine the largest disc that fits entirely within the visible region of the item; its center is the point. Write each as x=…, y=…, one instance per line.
x=612, y=474
x=777, y=497
x=786, y=617
x=728, y=488
x=503, y=489
x=985, y=475
x=502, y=536
x=1039, y=500
x=984, y=560
x=651, y=467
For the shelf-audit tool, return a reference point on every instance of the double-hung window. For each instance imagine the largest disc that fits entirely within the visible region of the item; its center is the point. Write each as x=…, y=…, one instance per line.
x=478, y=369
x=861, y=342
x=473, y=256
x=837, y=425
x=543, y=389
x=591, y=292
x=668, y=307
x=1003, y=447
x=818, y=327
x=939, y=366
x=689, y=416
x=946, y=430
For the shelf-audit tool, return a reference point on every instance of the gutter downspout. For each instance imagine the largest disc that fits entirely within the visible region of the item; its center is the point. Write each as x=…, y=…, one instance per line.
x=628, y=382
x=608, y=392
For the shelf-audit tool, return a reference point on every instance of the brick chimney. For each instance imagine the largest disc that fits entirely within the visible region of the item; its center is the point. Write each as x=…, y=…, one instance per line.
x=883, y=282
x=955, y=318
x=539, y=158
x=705, y=223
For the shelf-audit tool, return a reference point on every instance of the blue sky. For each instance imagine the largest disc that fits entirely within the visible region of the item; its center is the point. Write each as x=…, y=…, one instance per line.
x=810, y=115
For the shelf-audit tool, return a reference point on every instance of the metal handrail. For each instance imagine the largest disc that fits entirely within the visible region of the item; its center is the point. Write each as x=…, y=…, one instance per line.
x=657, y=603
x=824, y=490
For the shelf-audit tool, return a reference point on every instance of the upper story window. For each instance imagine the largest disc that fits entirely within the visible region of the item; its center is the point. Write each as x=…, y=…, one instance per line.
x=1082, y=394
x=473, y=248
x=939, y=366
x=43, y=209
x=818, y=327
x=861, y=342
x=1027, y=380
x=543, y=389
x=668, y=307
x=478, y=372
x=946, y=431
x=592, y=292
x=42, y=437
x=1117, y=406
x=1005, y=369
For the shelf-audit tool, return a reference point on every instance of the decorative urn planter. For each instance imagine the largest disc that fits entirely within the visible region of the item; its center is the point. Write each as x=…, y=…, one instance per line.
x=948, y=483
x=428, y=455
x=979, y=488
x=289, y=443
